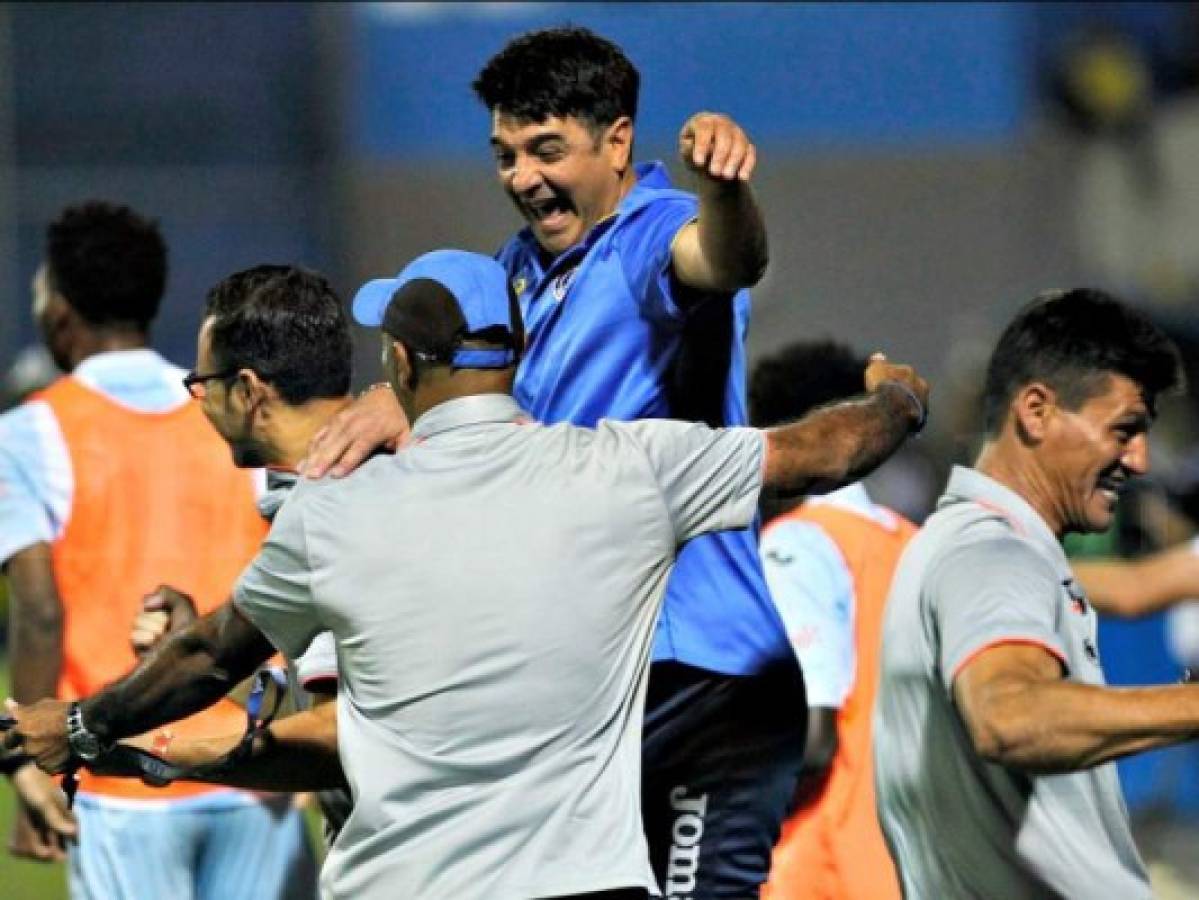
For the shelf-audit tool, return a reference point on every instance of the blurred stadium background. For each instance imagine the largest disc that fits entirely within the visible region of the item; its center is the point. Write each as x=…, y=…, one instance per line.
x=925, y=168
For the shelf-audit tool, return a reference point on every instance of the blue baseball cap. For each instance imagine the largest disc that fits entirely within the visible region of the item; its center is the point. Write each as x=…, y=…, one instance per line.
x=441, y=299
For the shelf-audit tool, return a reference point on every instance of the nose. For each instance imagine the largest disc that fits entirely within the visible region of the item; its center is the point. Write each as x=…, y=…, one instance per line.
x=1136, y=455
x=524, y=175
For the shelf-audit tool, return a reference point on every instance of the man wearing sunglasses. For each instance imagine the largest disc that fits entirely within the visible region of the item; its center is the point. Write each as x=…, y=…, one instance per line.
x=111, y=483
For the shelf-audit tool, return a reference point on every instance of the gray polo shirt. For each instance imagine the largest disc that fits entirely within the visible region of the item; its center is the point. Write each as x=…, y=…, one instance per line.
x=492, y=589
x=986, y=570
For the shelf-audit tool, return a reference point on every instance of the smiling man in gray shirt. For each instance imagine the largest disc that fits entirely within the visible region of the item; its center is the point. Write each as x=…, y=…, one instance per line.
x=994, y=732
x=492, y=589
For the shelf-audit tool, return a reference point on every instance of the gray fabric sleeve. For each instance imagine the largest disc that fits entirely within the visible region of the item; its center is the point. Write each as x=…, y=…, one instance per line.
x=991, y=592
x=274, y=592
x=709, y=478
x=319, y=661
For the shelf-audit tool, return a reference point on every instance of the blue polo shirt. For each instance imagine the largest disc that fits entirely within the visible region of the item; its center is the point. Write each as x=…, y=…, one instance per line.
x=607, y=338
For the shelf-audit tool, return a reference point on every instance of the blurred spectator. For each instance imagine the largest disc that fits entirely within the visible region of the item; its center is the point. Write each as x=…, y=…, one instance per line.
x=828, y=564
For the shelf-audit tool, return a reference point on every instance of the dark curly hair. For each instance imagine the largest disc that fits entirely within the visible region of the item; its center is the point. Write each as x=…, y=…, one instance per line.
x=563, y=73
x=108, y=263
x=801, y=377
x=287, y=324
x=1071, y=341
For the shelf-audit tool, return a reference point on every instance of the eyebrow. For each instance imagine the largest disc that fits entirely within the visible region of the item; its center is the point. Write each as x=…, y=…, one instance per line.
x=532, y=144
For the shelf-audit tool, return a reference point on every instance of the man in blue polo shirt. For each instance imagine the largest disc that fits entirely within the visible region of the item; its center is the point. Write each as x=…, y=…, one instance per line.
x=634, y=305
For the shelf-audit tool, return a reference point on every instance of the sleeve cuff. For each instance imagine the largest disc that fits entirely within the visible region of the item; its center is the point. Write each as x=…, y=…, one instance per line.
x=1053, y=649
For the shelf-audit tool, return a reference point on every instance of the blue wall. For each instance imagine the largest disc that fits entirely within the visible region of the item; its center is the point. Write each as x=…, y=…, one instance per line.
x=877, y=75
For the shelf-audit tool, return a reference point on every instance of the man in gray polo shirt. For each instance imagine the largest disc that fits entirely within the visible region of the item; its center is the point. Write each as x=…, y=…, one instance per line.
x=994, y=733
x=492, y=589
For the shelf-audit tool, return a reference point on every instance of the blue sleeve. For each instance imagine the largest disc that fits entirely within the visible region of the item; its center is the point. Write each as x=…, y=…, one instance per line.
x=26, y=514
x=644, y=243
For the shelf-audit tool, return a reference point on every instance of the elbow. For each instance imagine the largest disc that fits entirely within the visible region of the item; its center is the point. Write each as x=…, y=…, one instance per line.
x=750, y=270
x=755, y=267
x=994, y=743
x=1008, y=739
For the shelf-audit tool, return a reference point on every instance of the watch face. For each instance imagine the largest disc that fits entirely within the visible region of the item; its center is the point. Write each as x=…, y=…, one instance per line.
x=85, y=746
x=82, y=742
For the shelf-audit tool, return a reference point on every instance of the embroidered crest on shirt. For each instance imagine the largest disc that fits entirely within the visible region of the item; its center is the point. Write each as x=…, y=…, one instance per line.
x=519, y=283
x=561, y=283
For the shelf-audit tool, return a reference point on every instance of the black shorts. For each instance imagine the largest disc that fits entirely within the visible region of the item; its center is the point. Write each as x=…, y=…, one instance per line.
x=721, y=757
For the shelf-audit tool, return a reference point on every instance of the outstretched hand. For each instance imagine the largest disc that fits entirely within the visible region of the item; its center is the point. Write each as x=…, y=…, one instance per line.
x=715, y=147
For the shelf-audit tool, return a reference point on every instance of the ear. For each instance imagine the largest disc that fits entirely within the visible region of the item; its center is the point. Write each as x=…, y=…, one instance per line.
x=1033, y=408
x=617, y=142
x=255, y=391
x=403, y=372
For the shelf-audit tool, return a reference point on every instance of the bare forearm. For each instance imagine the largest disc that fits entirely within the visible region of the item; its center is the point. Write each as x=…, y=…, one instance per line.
x=297, y=753
x=732, y=234
x=35, y=625
x=838, y=444
x=189, y=672
x=1064, y=726
x=1140, y=587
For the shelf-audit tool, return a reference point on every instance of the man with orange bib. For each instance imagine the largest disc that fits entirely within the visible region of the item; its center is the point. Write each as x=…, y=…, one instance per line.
x=112, y=483
x=829, y=563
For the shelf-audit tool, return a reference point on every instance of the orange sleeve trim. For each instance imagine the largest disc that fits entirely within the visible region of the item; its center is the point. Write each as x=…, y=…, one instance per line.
x=999, y=642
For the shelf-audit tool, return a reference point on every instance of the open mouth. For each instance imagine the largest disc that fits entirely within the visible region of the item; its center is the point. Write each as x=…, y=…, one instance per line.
x=1111, y=486
x=548, y=211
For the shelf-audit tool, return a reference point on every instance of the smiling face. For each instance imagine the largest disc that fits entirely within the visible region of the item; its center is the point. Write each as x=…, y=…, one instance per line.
x=1090, y=454
x=562, y=176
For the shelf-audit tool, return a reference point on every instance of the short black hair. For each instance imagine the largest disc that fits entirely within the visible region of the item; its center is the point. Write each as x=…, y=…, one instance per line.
x=1072, y=341
x=560, y=72
x=801, y=377
x=108, y=263
x=288, y=325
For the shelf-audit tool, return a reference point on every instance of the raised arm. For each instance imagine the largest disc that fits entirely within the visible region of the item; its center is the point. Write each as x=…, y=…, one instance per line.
x=839, y=444
x=1021, y=712
x=189, y=671
x=725, y=248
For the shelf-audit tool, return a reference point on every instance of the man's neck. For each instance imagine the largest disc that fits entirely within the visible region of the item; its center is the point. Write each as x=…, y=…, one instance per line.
x=97, y=342
x=463, y=383
x=294, y=427
x=1017, y=472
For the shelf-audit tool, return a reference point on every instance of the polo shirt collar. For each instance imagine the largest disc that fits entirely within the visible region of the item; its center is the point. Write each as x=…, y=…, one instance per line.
x=967, y=484
x=476, y=409
x=119, y=363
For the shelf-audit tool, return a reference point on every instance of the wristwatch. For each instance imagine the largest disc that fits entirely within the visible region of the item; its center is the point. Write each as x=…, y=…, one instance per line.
x=82, y=742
